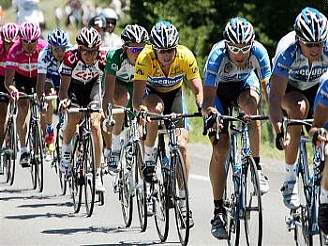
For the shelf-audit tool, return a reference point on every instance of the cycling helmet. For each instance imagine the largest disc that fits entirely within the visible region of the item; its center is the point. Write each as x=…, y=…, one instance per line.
x=164, y=35
x=239, y=31
x=98, y=21
x=134, y=34
x=109, y=14
x=89, y=38
x=9, y=32
x=58, y=38
x=29, y=31
x=311, y=25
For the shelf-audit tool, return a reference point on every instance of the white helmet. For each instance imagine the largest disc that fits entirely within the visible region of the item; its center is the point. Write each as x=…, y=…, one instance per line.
x=109, y=14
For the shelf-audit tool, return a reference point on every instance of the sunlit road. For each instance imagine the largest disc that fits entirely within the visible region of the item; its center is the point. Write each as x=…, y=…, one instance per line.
x=31, y=218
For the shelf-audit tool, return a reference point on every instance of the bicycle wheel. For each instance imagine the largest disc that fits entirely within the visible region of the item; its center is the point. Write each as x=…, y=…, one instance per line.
x=33, y=165
x=253, y=220
x=231, y=205
x=58, y=145
x=181, y=204
x=38, y=157
x=141, y=192
x=76, y=179
x=126, y=185
x=89, y=168
x=10, y=152
x=161, y=200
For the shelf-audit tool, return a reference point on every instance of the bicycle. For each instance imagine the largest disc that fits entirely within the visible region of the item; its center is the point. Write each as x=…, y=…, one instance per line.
x=129, y=183
x=304, y=220
x=242, y=196
x=166, y=194
x=9, y=145
x=83, y=161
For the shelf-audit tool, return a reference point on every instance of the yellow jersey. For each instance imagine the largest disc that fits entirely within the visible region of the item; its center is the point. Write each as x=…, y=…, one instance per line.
x=148, y=68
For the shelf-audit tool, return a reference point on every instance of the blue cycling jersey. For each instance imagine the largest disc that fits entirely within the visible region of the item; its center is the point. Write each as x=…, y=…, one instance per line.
x=289, y=62
x=48, y=64
x=322, y=95
x=219, y=67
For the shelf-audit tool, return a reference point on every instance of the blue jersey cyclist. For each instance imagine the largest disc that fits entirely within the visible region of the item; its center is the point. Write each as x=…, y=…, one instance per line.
x=301, y=58
x=48, y=78
x=234, y=71
x=319, y=133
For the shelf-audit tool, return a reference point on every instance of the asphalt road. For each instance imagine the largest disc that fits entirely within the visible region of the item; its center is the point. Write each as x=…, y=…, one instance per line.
x=47, y=218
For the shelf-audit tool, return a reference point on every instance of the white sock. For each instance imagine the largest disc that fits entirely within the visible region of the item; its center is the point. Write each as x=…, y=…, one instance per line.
x=149, y=153
x=323, y=195
x=66, y=148
x=116, y=143
x=291, y=172
x=98, y=171
x=107, y=152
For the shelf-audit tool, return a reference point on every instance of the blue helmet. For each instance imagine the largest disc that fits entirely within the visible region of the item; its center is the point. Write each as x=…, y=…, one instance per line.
x=239, y=31
x=311, y=25
x=58, y=38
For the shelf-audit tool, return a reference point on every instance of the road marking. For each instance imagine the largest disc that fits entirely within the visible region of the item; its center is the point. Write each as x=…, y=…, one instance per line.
x=200, y=177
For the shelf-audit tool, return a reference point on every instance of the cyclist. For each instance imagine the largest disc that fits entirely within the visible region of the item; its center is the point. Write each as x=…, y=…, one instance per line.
x=111, y=39
x=160, y=69
x=48, y=79
x=8, y=35
x=119, y=73
x=80, y=71
x=319, y=133
x=300, y=60
x=233, y=72
x=21, y=67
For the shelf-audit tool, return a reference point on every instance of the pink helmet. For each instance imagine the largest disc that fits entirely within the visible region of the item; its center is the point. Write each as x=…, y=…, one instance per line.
x=9, y=32
x=30, y=31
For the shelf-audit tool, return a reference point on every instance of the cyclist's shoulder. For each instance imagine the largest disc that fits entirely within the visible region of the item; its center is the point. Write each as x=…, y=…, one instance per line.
x=287, y=46
x=259, y=50
x=115, y=55
x=71, y=57
x=184, y=53
x=146, y=57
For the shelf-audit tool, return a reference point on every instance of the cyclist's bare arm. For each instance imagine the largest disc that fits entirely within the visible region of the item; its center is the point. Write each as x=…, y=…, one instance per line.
x=40, y=80
x=209, y=97
x=277, y=92
x=320, y=118
x=264, y=91
x=64, y=85
x=109, y=90
x=197, y=89
x=138, y=93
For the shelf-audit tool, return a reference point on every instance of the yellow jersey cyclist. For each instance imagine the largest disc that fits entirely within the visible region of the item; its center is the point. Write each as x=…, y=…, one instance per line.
x=301, y=58
x=80, y=72
x=119, y=74
x=233, y=72
x=159, y=74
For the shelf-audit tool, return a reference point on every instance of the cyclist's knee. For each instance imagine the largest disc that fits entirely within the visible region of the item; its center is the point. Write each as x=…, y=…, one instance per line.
x=121, y=97
x=154, y=103
x=95, y=121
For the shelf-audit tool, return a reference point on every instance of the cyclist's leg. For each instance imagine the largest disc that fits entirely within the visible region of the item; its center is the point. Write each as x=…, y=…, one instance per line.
x=47, y=121
x=323, y=207
x=155, y=105
x=248, y=101
x=3, y=110
x=220, y=150
x=296, y=105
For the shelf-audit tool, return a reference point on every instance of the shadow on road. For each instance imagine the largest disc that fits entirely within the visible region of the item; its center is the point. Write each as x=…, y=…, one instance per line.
x=15, y=190
x=40, y=197
x=91, y=229
x=128, y=243
x=34, y=216
x=67, y=204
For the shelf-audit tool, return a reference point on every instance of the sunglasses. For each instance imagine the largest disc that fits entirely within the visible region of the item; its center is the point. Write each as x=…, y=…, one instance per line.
x=58, y=49
x=236, y=50
x=89, y=52
x=29, y=42
x=134, y=50
x=165, y=51
x=110, y=21
x=312, y=44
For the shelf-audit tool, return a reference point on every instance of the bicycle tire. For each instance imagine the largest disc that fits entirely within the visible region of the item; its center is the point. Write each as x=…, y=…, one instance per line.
x=89, y=167
x=76, y=179
x=231, y=201
x=33, y=167
x=10, y=154
x=141, y=190
x=161, y=200
x=252, y=197
x=58, y=144
x=125, y=185
x=38, y=155
x=179, y=182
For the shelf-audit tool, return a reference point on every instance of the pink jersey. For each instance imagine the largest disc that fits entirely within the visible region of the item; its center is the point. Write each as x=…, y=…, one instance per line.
x=3, y=55
x=23, y=63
